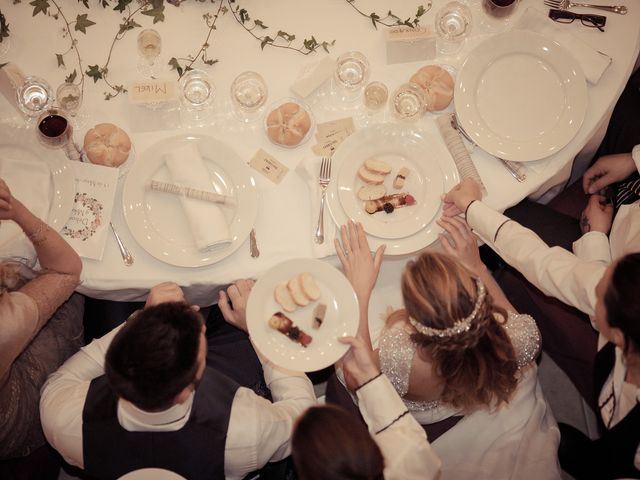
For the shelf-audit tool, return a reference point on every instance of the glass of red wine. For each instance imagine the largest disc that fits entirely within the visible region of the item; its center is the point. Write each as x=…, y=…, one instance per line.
x=54, y=128
x=499, y=8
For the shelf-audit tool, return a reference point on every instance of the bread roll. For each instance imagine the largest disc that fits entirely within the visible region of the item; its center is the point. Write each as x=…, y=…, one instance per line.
x=284, y=298
x=309, y=286
x=437, y=84
x=107, y=144
x=377, y=166
x=288, y=124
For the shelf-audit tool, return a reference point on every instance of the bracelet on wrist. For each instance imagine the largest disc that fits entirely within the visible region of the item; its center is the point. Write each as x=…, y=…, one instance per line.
x=367, y=381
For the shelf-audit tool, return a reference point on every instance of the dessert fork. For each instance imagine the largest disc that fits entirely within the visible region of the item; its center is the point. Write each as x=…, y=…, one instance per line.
x=567, y=4
x=323, y=181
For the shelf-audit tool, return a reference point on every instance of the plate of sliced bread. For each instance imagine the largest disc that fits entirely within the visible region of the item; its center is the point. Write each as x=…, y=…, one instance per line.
x=296, y=312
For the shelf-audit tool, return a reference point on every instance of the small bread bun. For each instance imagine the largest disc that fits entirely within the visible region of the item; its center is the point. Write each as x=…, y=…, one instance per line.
x=372, y=191
x=367, y=176
x=288, y=124
x=284, y=298
x=437, y=84
x=377, y=166
x=295, y=289
x=107, y=144
x=309, y=286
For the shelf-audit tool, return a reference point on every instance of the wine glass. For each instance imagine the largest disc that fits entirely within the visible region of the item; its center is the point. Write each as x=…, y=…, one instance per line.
x=55, y=131
x=408, y=102
x=453, y=24
x=351, y=75
x=69, y=97
x=197, y=94
x=248, y=94
x=34, y=96
x=149, y=48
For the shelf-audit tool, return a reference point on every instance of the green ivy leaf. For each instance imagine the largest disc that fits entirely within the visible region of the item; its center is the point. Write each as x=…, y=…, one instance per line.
x=156, y=12
x=60, y=59
x=122, y=5
x=94, y=72
x=244, y=15
x=82, y=22
x=258, y=23
x=286, y=36
x=84, y=2
x=71, y=77
x=127, y=25
x=210, y=62
x=374, y=19
x=265, y=40
x=39, y=6
x=4, y=27
x=175, y=65
x=421, y=11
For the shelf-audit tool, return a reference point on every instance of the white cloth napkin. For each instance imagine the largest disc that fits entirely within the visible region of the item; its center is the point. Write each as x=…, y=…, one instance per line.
x=207, y=221
x=30, y=183
x=309, y=170
x=593, y=62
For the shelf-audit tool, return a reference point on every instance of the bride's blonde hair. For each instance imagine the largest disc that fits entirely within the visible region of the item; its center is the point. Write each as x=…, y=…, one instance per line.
x=478, y=365
x=13, y=275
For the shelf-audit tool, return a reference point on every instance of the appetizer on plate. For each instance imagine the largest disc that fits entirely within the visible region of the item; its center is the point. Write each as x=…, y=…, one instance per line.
x=389, y=203
x=279, y=321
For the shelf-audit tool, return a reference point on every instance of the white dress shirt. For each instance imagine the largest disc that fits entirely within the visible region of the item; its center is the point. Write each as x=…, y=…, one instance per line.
x=259, y=431
x=403, y=442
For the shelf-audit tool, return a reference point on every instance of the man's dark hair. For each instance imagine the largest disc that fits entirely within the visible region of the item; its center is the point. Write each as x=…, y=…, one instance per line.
x=621, y=300
x=153, y=357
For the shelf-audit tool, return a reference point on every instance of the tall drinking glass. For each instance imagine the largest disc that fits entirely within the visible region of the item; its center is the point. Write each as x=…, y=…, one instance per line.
x=351, y=75
x=69, y=97
x=34, y=96
x=453, y=24
x=248, y=94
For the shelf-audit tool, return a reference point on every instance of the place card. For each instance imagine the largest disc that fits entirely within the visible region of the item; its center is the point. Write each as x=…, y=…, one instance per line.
x=268, y=166
x=87, y=228
x=152, y=91
x=313, y=77
x=406, y=44
x=331, y=134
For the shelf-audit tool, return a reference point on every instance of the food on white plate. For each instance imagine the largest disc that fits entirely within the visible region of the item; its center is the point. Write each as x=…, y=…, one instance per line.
x=295, y=289
x=318, y=315
x=279, y=321
x=107, y=144
x=437, y=84
x=284, y=298
x=401, y=176
x=389, y=203
x=367, y=176
x=309, y=286
x=372, y=191
x=378, y=166
x=288, y=124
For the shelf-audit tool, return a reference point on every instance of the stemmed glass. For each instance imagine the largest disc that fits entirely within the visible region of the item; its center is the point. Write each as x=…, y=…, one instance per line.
x=249, y=93
x=351, y=75
x=55, y=131
x=69, y=98
x=197, y=93
x=452, y=25
x=375, y=98
x=34, y=96
x=149, y=48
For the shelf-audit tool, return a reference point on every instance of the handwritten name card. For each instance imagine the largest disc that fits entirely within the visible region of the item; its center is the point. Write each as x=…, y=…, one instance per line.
x=152, y=91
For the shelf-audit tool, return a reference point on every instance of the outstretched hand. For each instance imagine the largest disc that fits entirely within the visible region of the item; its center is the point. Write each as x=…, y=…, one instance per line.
x=360, y=267
x=235, y=312
x=358, y=364
x=459, y=197
x=6, y=202
x=607, y=170
x=461, y=243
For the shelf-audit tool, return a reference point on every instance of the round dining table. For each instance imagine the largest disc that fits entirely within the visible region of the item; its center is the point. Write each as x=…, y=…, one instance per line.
x=285, y=219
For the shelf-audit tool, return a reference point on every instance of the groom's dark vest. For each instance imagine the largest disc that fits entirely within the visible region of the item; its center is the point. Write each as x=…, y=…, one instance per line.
x=619, y=444
x=196, y=451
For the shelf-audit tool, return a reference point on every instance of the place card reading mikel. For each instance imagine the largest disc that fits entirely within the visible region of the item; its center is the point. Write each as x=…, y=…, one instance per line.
x=87, y=227
x=152, y=91
x=406, y=44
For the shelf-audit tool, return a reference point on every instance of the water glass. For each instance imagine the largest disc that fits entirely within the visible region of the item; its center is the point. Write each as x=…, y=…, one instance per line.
x=54, y=128
x=408, y=102
x=376, y=95
x=499, y=8
x=197, y=91
x=34, y=96
x=69, y=98
x=351, y=75
x=453, y=24
x=149, y=48
x=248, y=94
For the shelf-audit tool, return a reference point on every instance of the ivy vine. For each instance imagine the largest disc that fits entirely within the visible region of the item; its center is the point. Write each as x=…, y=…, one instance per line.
x=391, y=19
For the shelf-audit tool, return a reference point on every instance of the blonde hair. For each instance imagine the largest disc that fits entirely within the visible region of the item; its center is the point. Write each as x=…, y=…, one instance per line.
x=477, y=366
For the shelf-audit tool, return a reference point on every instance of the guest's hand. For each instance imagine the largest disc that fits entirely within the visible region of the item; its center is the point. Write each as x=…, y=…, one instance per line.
x=163, y=293
x=236, y=312
x=7, y=202
x=360, y=267
x=597, y=216
x=358, y=364
x=461, y=243
x=459, y=197
x=607, y=170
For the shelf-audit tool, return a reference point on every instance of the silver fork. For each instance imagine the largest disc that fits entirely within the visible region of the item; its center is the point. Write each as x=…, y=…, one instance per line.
x=323, y=179
x=567, y=4
x=516, y=171
x=127, y=258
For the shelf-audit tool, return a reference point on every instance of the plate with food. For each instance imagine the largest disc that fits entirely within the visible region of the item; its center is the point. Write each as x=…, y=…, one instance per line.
x=296, y=312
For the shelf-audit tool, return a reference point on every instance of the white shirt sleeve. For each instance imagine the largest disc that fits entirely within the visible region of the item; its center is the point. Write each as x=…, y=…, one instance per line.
x=63, y=397
x=403, y=442
x=554, y=270
x=259, y=430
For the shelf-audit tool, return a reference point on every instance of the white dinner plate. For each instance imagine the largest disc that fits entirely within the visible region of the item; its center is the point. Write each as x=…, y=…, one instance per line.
x=422, y=147
x=521, y=96
x=341, y=317
x=21, y=153
x=424, y=183
x=157, y=220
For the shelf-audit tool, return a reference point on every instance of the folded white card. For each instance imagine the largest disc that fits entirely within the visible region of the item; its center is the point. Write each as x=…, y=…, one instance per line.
x=87, y=227
x=208, y=223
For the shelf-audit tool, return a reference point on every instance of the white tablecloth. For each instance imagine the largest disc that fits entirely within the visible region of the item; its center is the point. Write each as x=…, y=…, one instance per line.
x=284, y=226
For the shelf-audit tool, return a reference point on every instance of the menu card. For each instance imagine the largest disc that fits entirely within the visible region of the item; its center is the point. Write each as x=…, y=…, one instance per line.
x=87, y=228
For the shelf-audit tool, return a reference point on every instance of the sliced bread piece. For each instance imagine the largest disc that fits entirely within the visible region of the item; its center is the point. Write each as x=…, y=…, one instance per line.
x=284, y=298
x=309, y=286
x=295, y=289
x=378, y=166
x=367, y=176
x=372, y=191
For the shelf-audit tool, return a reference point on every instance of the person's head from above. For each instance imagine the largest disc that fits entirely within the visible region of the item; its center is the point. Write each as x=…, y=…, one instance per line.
x=617, y=312
x=458, y=329
x=328, y=443
x=157, y=359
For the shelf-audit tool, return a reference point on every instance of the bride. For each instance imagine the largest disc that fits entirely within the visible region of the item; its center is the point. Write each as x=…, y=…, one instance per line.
x=458, y=349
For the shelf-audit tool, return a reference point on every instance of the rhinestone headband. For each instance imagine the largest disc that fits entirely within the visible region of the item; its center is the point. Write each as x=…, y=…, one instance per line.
x=459, y=326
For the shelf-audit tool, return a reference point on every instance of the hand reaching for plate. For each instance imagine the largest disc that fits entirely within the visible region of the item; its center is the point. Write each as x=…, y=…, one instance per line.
x=360, y=267
x=236, y=312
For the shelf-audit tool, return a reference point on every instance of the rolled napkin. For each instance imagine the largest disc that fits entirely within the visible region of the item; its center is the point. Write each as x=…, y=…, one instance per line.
x=592, y=61
x=207, y=222
x=458, y=151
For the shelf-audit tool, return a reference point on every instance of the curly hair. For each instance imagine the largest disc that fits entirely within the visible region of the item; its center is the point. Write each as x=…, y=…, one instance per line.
x=477, y=367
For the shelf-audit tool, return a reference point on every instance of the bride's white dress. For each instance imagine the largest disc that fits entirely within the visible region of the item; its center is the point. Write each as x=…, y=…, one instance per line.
x=515, y=441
